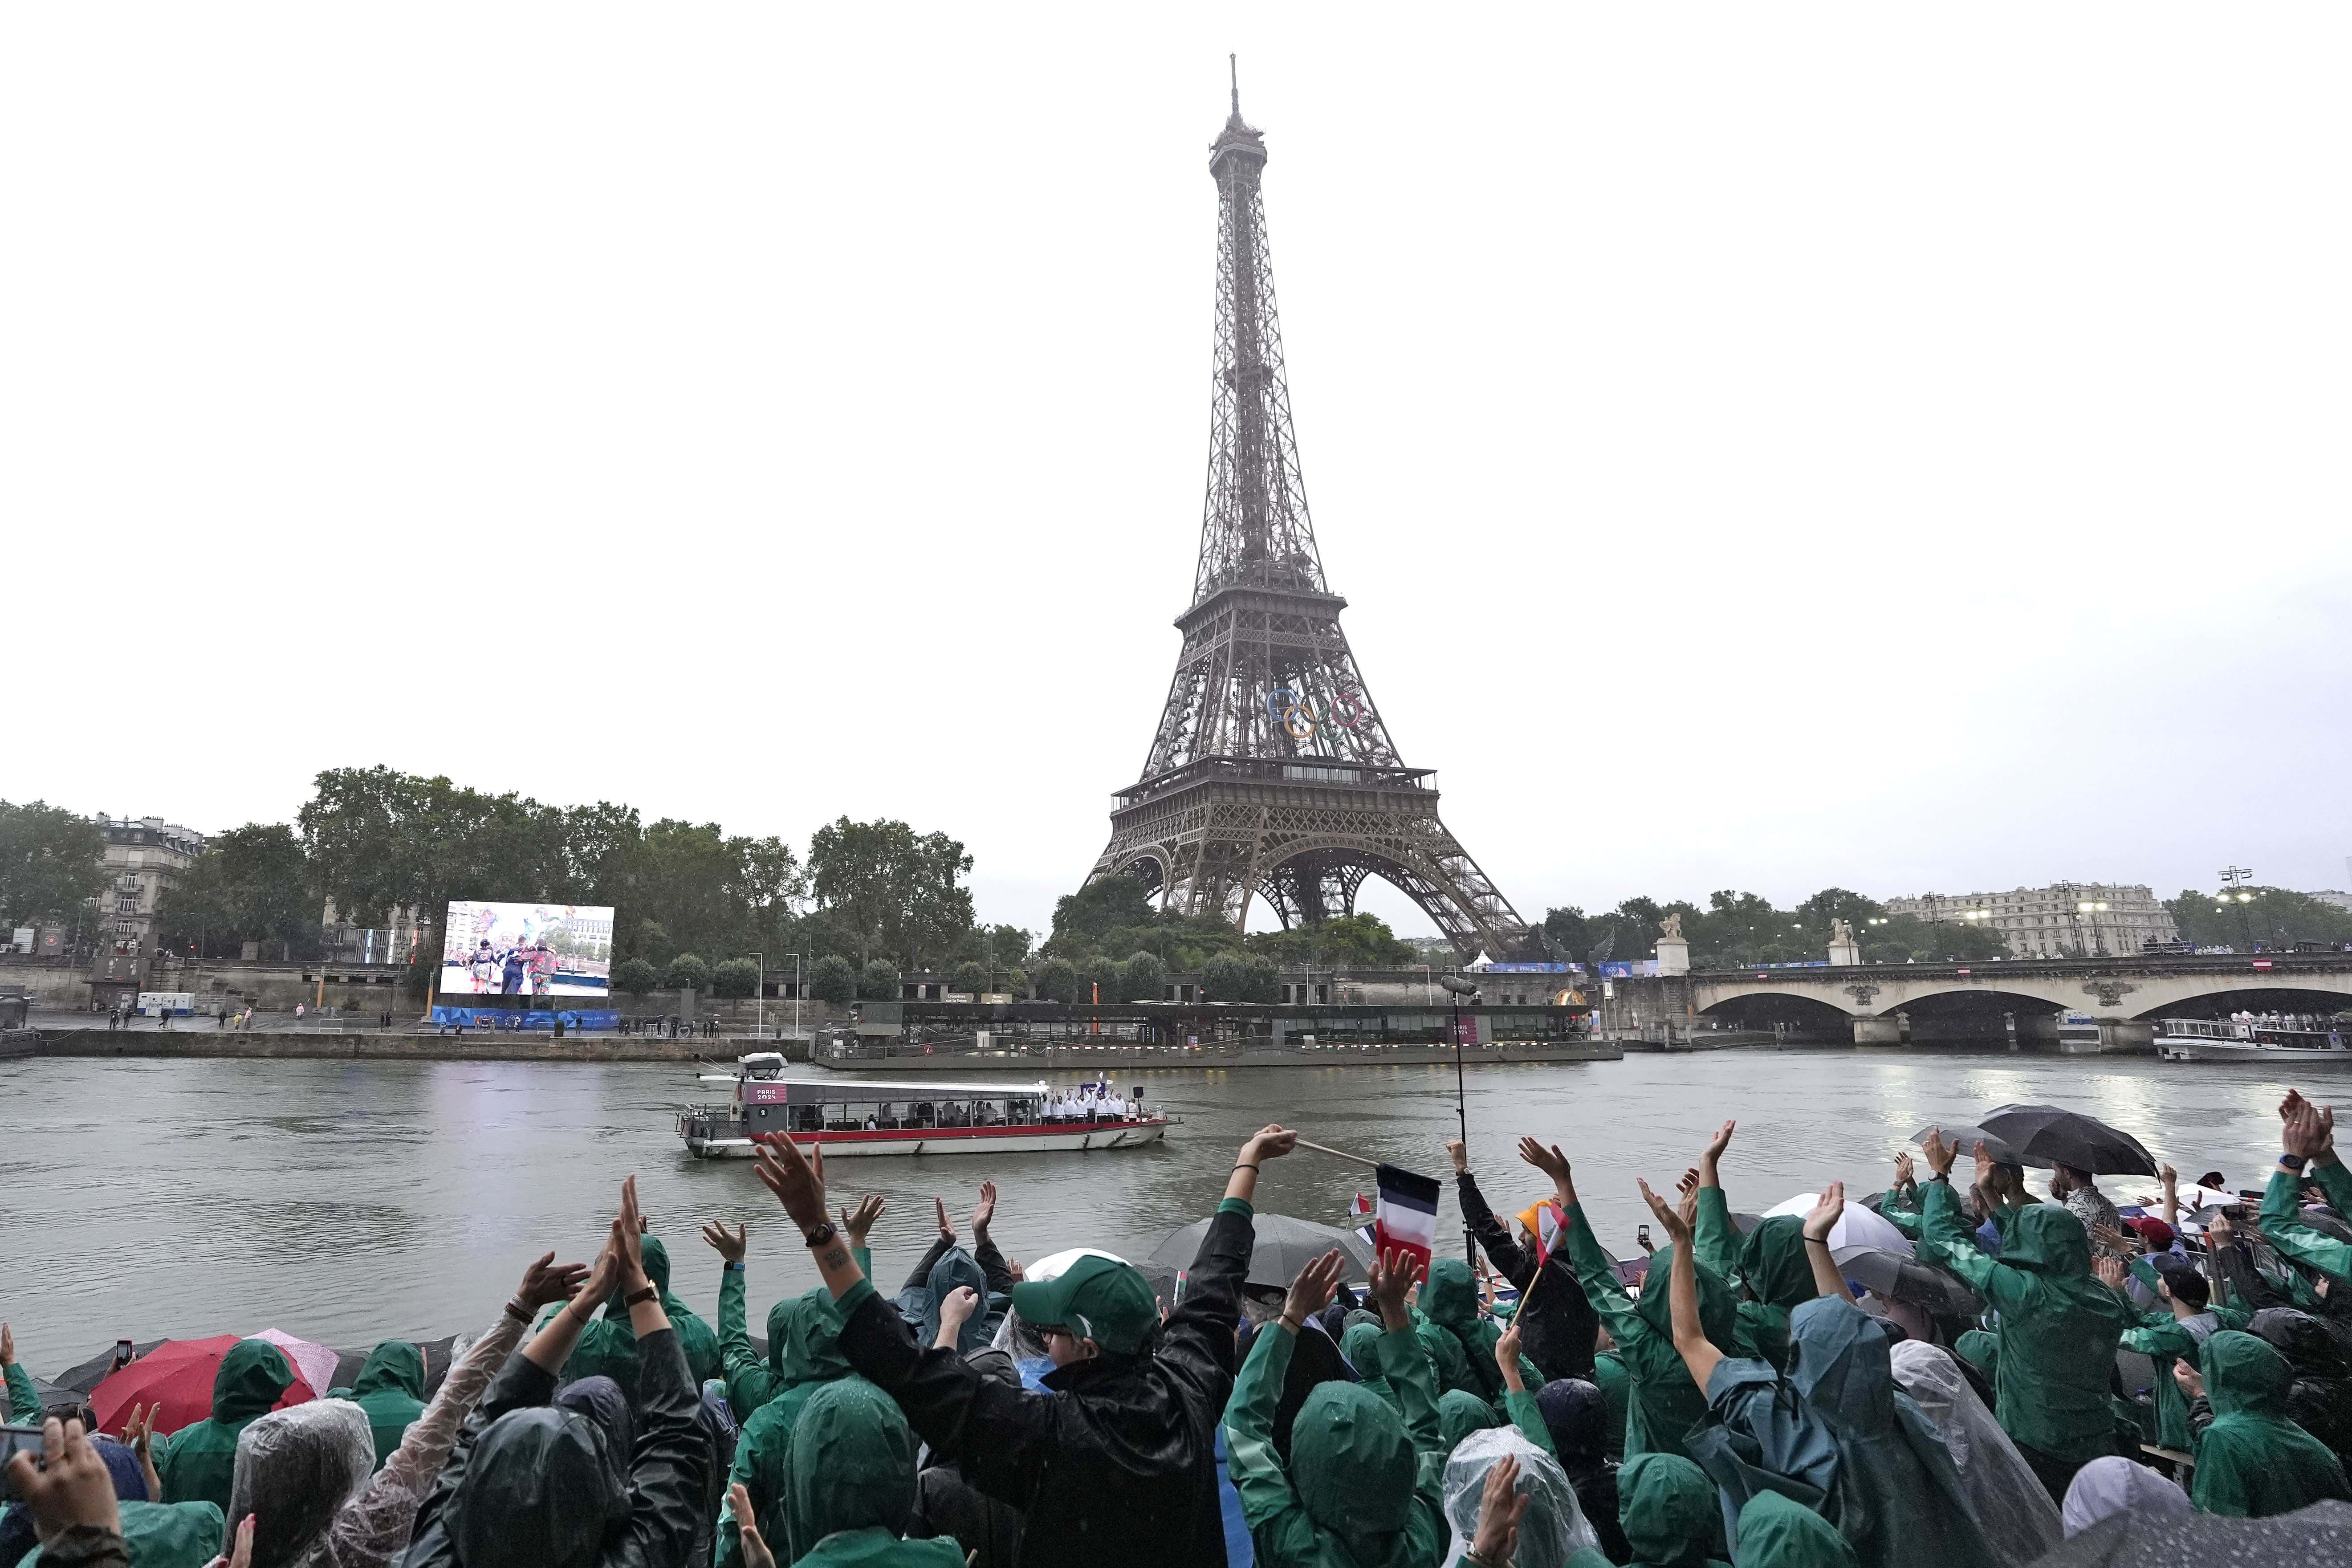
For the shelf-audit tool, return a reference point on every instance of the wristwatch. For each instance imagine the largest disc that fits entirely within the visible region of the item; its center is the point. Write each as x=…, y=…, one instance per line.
x=821, y=1233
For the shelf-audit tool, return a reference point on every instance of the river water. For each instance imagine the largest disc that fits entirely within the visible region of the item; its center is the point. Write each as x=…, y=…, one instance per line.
x=348, y=1201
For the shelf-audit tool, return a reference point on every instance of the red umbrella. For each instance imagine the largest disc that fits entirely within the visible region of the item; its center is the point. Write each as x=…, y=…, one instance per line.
x=177, y=1377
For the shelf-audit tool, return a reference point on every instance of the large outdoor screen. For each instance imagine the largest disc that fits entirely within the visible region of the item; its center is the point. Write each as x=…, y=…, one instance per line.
x=527, y=949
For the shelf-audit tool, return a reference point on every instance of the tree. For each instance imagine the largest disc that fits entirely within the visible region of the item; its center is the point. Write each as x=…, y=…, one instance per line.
x=1261, y=981
x=832, y=979
x=2277, y=918
x=1363, y=940
x=1144, y=978
x=1225, y=978
x=251, y=884
x=879, y=981
x=1568, y=935
x=1057, y=980
x=1083, y=919
x=52, y=861
x=1016, y=983
x=636, y=977
x=686, y=973
x=968, y=976
x=735, y=977
x=895, y=892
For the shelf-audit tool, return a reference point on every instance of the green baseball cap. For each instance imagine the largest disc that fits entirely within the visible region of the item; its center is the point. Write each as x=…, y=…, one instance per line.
x=1096, y=1297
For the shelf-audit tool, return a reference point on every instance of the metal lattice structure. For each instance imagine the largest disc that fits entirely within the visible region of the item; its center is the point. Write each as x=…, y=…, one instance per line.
x=1272, y=775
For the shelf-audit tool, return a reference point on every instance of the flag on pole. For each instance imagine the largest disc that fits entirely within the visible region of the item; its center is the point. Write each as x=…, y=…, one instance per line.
x=1406, y=1217
x=1549, y=1221
x=1360, y=1206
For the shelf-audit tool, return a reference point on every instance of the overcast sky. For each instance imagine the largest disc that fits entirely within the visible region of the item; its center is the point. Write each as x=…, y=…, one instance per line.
x=1762, y=448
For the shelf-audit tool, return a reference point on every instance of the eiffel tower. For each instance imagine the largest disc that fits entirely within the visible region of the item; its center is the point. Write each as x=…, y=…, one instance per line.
x=1272, y=774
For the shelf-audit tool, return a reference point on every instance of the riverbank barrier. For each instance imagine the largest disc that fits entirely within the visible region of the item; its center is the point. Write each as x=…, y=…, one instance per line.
x=1081, y=1059
x=475, y=1045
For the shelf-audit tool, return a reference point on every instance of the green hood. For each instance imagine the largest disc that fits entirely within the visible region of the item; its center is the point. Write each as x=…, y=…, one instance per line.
x=1461, y=1413
x=1449, y=1297
x=252, y=1376
x=1352, y=1465
x=1361, y=1315
x=2046, y=1238
x=854, y=1464
x=164, y=1535
x=1772, y=1261
x=1718, y=1309
x=1667, y=1508
x=656, y=1253
x=1776, y=1532
x=1360, y=1343
x=804, y=1338
x=2243, y=1376
x=394, y=1366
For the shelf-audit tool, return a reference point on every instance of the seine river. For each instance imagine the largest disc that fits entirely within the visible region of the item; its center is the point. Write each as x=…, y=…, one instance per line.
x=348, y=1201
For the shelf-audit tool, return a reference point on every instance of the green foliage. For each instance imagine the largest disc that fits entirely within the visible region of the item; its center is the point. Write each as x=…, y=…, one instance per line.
x=1739, y=929
x=1568, y=935
x=968, y=976
x=1016, y=983
x=1225, y=978
x=1144, y=978
x=418, y=975
x=2276, y=918
x=735, y=977
x=1083, y=919
x=1261, y=979
x=833, y=979
x=1359, y=941
x=1057, y=980
x=686, y=973
x=251, y=884
x=51, y=861
x=636, y=977
x=879, y=981
x=893, y=892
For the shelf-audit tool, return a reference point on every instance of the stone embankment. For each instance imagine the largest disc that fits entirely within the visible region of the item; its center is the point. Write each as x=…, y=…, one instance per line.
x=475, y=1045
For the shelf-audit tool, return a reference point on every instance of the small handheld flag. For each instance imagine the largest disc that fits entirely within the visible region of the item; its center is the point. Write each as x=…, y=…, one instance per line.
x=1406, y=1217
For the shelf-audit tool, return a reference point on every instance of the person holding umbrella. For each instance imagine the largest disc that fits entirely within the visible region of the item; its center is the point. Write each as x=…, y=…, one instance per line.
x=2059, y=1326
x=201, y=1461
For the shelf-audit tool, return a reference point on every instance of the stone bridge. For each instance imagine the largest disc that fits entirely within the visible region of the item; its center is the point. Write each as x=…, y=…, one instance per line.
x=1884, y=1004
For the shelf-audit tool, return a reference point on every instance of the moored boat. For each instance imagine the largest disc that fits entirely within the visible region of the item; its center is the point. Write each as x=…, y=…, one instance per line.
x=844, y=1118
x=2227, y=1041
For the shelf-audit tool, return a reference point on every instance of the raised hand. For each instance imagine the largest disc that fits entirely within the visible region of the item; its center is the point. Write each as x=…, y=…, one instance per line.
x=1506, y=1356
x=798, y=1185
x=984, y=1211
x=7, y=1345
x=1826, y=1213
x=2169, y=1177
x=1499, y=1508
x=731, y=1247
x=628, y=1234
x=1553, y=1163
x=139, y=1435
x=2221, y=1233
x=1904, y=1174
x=2110, y=1271
x=1941, y=1154
x=857, y=1224
x=1720, y=1141
x=755, y=1550
x=72, y=1487
x=240, y=1552
x=2310, y=1131
x=1311, y=1291
x=1271, y=1142
x=947, y=1226
x=547, y=1280
x=1677, y=1228
x=955, y=1307
x=1393, y=1276
x=1459, y=1155
x=1687, y=1182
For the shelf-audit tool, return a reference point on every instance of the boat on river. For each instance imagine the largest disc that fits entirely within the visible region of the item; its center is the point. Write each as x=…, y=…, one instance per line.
x=2227, y=1041
x=844, y=1118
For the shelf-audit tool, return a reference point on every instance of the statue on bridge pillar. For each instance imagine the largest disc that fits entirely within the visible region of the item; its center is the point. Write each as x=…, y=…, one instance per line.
x=1844, y=951
x=1674, y=952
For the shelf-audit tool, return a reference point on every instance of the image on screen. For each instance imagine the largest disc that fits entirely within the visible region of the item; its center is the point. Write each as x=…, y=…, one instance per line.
x=527, y=949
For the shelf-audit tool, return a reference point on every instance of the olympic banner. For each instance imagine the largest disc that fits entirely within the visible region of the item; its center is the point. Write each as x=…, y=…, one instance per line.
x=539, y=951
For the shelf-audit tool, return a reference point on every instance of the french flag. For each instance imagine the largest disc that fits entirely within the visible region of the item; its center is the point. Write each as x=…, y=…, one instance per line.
x=1404, y=1219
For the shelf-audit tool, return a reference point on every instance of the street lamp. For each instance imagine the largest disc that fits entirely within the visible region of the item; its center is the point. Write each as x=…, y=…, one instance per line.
x=2094, y=909
x=760, y=1000
x=2234, y=881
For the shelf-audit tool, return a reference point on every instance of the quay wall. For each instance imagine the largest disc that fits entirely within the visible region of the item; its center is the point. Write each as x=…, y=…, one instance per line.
x=296, y=1045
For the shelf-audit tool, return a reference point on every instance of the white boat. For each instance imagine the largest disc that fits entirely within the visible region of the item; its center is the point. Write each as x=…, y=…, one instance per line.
x=844, y=1118
x=2201, y=1040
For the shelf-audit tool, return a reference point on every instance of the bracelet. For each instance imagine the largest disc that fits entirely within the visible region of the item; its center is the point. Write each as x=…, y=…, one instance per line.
x=518, y=1312
x=1245, y=1165
x=2295, y=1162
x=639, y=1297
x=1285, y=1320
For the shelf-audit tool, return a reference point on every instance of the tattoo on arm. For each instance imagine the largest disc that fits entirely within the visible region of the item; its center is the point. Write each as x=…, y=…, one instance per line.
x=835, y=1256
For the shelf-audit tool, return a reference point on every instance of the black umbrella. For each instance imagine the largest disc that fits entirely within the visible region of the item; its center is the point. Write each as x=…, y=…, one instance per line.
x=1966, y=1139
x=2320, y=1533
x=1899, y=1277
x=2048, y=1134
x=1285, y=1246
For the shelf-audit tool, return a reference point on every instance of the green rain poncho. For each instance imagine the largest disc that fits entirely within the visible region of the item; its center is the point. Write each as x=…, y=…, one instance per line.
x=23, y=1398
x=1769, y=1260
x=1666, y=1507
x=803, y=1357
x=2167, y=1339
x=164, y=1535
x=1364, y=1488
x=391, y=1389
x=2306, y=1244
x=1616, y=1386
x=2253, y=1461
x=1449, y=1300
x=1775, y=1532
x=1460, y=1414
x=1833, y=1432
x=2059, y=1326
x=852, y=1495
x=751, y=1380
x=1664, y=1403
x=1361, y=1345
x=1981, y=1348
x=609, y=1346
x=202, y=1460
